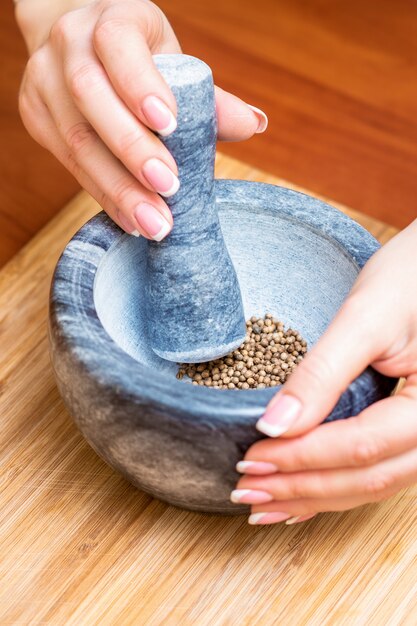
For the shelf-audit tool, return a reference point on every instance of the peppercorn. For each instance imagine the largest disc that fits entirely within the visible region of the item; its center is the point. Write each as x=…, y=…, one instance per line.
x=266, y=358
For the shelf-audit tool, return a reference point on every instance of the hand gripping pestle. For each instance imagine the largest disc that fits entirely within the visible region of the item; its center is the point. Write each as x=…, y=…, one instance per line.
x=194, y=305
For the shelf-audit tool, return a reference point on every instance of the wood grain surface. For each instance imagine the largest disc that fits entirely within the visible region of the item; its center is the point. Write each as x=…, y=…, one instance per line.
x=337, y=79
x=80, y=546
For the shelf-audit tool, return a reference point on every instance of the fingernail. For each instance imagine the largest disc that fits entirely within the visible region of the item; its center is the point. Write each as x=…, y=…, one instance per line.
x=162, y=179
x=159, y=116
x=126, y=225
x=256, y=467
x=262, y=119
x=268, y=518
x=151, y=221
x=280, y=415
x=250, y=496
x=299, y=518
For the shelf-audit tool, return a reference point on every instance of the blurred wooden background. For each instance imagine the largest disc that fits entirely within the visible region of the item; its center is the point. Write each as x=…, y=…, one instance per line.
x=337, y=78
x=33, y=185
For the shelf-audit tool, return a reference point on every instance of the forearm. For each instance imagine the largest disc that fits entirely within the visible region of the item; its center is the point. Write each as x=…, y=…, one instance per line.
x=36, y=17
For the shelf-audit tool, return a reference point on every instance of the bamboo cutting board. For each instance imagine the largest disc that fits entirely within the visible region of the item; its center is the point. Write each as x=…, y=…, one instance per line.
x=81, y=546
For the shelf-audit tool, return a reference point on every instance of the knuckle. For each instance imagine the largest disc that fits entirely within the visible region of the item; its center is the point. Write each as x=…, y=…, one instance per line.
x=318, y=487
x=105, y=202
x=104, y=5
x=154, y=15
x=84, y=79
x=31, y=113
x=302, y=488
x=317, y=369
x=106, y=28
x=62, y=29
x=123, y=192
x=297, y=490
x=25, y=107
x=35, y=67
x=297, y=459
x=131, y=84
x=130, y=143
x=378, y=485
x=368, y=452
x=368, y=447
x=73, y=166
x=79, y=136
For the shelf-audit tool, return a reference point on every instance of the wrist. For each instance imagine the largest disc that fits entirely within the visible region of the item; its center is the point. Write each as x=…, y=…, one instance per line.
x=36, y=17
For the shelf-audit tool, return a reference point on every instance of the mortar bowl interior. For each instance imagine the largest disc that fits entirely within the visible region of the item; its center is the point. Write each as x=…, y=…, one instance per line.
x=295, y=257
x=283, y=266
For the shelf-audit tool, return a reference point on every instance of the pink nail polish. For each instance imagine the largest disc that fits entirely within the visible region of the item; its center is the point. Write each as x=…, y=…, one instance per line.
x=256, y=467
x=159, y=116
x=151, y=221
x=268, y=518
x=162, y=179
x=250, y=496
x=126, y=224
x=262, y=119
x=281, y=414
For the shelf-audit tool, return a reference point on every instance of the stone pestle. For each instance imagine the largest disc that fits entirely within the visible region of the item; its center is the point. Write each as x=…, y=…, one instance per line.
x=194, y=304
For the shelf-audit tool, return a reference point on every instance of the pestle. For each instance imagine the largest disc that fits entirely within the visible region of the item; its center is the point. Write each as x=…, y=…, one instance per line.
x=194, y=305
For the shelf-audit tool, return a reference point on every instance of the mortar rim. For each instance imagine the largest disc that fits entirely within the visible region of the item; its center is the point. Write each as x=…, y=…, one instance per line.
x=72, y=291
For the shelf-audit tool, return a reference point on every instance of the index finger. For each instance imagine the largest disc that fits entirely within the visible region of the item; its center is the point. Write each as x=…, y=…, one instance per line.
x=381, y=431
x=351, y=342
x=121, y=42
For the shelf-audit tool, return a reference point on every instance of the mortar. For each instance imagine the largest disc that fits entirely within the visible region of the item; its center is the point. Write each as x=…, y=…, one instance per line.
x=294, y=256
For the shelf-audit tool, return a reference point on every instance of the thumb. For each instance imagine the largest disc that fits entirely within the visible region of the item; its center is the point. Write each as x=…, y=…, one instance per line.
x=236, y=119
x=349, y=345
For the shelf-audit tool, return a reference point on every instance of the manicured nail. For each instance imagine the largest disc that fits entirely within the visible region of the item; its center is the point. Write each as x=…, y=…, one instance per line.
x=262, y=119
x=159, y=116
x=268, y=518
x=126, y=224
x=283, y=411
x=299, y=518
x=256, y=467
x=151, y=221
x=162, y=179
x=250, y=496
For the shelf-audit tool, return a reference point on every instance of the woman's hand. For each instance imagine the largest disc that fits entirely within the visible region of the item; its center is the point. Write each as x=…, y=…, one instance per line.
x=92, y=95
x=344, y=464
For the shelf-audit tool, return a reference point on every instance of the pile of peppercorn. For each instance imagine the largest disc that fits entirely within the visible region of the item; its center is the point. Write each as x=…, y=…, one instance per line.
x=266, y=358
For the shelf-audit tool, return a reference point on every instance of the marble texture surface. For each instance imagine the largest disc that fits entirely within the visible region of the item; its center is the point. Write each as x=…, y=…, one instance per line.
x=294, y=256
x=194, y=305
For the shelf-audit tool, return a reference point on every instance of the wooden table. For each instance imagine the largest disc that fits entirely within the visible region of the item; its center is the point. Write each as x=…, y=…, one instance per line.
x=81, y=546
